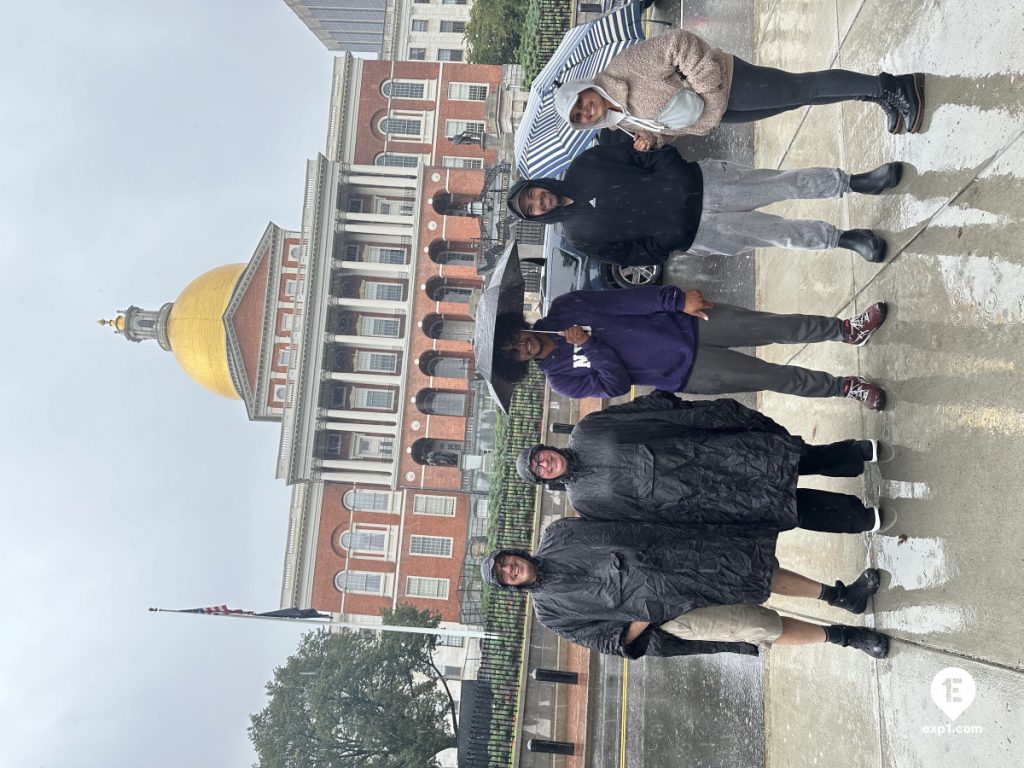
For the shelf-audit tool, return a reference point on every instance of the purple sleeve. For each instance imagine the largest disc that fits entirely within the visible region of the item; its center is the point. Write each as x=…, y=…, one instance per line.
x=601, y=374
x=646, y=300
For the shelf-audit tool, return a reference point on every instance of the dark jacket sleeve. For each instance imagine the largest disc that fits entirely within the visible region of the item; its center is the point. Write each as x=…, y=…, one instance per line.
x=645, y=300
x=726, y=413
x=658, y=400
x=606, y=376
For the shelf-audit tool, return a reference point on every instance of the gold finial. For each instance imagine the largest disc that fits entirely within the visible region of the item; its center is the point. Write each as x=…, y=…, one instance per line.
x=117, y=324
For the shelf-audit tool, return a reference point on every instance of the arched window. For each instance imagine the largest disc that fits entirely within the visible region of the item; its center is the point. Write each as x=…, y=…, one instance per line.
x=436, y=453
x=450, y=367
x=443, y=289
x=367, y=501
x=441, y=402
x=363, y=582
x=364, y=541
x=397, y=160
x=456, y=254
x=404, y=89
x=449, y=328
x=410, y=127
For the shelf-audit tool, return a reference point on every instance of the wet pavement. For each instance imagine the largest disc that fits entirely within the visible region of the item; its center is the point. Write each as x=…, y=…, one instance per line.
x=950, y=356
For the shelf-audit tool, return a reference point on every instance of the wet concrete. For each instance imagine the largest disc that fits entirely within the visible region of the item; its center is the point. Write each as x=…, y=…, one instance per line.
x=950, y=356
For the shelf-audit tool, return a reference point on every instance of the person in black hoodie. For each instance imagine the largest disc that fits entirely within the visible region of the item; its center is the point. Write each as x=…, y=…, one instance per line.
x=628, y=207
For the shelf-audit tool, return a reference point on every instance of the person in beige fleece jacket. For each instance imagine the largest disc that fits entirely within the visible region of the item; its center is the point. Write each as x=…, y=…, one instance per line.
x=676, y=84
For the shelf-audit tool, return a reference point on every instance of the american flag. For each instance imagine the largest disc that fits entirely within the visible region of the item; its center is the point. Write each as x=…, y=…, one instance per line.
x=218, y=610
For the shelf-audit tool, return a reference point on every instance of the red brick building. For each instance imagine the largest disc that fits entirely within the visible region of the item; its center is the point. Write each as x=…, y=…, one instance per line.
x=354, y=332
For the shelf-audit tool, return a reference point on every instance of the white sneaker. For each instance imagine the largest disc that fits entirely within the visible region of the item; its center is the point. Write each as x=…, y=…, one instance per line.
x=874, y=452
x=884, y=520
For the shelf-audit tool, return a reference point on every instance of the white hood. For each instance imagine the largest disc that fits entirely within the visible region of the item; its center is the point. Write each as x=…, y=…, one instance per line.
x=565, y=99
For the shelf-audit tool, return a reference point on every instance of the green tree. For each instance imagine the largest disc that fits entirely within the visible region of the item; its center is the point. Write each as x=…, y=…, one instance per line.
x=493, y=31
x=352, y=699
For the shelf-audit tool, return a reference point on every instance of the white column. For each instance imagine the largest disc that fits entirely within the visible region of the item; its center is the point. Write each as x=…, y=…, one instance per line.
x=395, y=307
x=378, y=181
x=380, y=170
x=372, y=268
x=353, y=477
x=375, y=229
x=333, y=413
x=383, y=467
x=363, y=429
x=369, y=342
x=376, y=218
x=365, y=378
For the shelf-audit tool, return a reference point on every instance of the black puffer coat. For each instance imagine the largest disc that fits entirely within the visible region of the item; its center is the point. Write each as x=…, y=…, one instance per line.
x=662, y=459
x=594, y=578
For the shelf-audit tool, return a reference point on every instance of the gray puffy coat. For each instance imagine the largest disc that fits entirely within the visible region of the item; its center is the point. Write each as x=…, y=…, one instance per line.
x=596, y=577
x=662, y=459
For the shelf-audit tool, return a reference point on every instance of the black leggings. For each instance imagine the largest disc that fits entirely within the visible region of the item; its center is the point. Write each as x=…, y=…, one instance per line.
x=760, y=92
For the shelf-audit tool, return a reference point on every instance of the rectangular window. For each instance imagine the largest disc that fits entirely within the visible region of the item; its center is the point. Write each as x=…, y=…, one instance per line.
x=283, y=356
x=421, y=25
x=380, y=326
x=362, y=582
x=430, y=546
x=378, y=362
x=443, y=506
x=451, y=641
x=422, y=586
x=351, y=252
x=453, y=2
x=379, y=399
x=354, y=205
x=455, y=127
x=405, y=89
x=373, y=446
x=291, y=287
x=461, y=162
x=379, y=254
x=287, y=321
x=394, y=207
x=453, y=26
x=467, y=91
x=449, y=54
x=417, y=54
x=383, y=291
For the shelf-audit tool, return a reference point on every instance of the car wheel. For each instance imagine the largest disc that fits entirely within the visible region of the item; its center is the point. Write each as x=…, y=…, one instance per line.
x=633, y=277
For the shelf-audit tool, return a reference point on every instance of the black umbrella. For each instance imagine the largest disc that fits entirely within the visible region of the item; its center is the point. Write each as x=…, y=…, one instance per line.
x=503, y=293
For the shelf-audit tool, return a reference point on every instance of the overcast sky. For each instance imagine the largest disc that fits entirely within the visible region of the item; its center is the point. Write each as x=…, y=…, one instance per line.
x=141, y=144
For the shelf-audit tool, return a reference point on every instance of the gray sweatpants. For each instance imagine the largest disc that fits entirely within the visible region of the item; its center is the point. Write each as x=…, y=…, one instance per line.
x=719, y=369
x=730, y=222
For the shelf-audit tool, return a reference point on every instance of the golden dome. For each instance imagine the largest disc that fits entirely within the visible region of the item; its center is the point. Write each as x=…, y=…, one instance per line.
x=195, y=329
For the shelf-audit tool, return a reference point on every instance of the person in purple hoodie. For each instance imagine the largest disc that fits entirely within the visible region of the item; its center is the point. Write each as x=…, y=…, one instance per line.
x=600, y=343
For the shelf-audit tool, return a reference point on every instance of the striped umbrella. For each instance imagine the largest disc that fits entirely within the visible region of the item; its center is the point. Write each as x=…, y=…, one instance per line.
x=545, y=143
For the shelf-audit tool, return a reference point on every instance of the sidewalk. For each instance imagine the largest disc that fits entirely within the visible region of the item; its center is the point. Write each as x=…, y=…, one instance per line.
x=950, y=356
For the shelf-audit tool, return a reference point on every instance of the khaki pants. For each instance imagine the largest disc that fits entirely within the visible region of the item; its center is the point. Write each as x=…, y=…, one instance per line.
x=727, y=623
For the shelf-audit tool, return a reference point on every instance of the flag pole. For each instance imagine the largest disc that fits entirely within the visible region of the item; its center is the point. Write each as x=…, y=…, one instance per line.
x=329, y=622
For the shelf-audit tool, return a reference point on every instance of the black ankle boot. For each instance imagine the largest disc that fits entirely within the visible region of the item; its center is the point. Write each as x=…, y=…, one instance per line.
x=865, y=242
x=905, y=93
x=873, y=643
x=854, y=597
x=877, y=181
